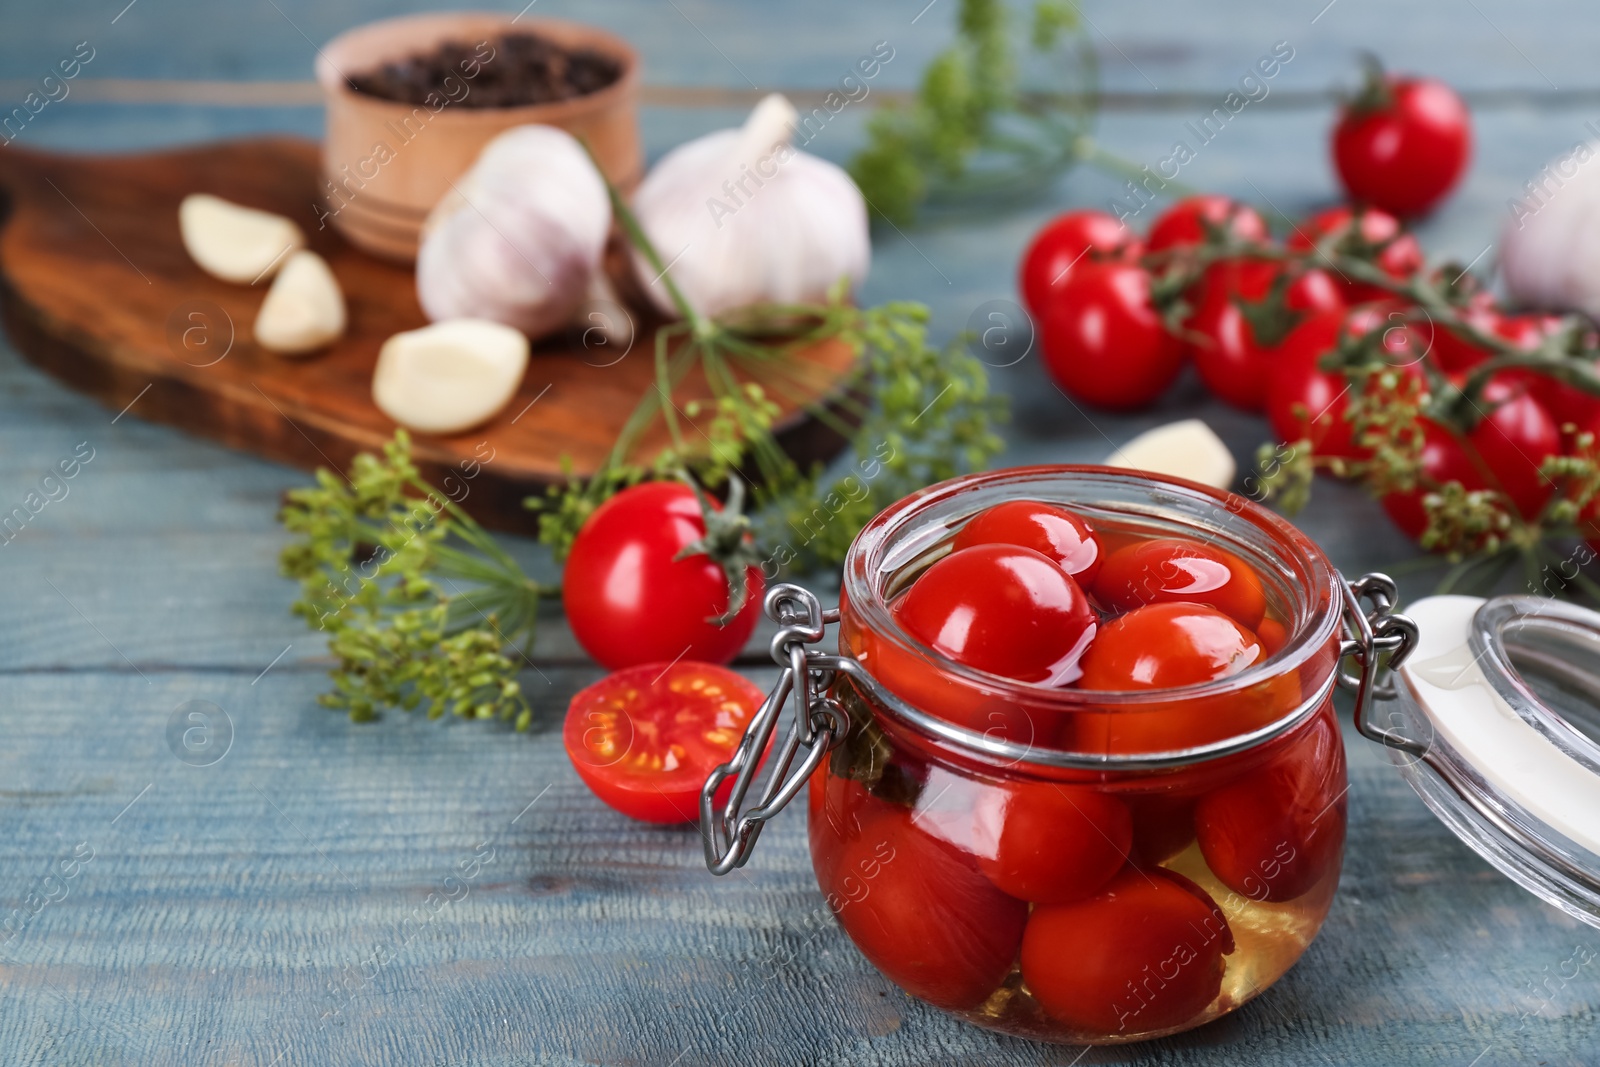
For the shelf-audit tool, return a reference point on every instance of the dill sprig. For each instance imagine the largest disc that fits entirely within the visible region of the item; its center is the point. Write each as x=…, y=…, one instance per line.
x=418, y=601
x=972, y=129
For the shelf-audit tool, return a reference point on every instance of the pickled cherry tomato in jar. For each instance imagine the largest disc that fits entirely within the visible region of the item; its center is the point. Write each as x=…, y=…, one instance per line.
x=1167, y=646
x=1121, y=850
x=1143, y=955
x=1058, y=533
x=1004, y=609
x=1189, y=570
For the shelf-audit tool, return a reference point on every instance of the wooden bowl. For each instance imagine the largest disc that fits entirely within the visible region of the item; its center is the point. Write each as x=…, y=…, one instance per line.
x=386, y=163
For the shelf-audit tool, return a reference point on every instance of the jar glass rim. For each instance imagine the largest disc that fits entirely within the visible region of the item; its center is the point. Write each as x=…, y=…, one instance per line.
x=868, y=574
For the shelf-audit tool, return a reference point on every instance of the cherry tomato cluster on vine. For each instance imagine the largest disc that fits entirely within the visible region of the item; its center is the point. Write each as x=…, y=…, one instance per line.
x=1063, y=880
x=1265, y=332
x=1399, y=146
x=1492, y=437
x=1119, y=316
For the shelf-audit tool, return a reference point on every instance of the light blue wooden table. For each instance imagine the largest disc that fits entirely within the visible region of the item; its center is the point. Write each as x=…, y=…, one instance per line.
x=228, y=913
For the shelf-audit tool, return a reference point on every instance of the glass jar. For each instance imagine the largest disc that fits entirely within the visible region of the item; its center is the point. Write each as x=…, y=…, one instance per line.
x=1064, y=864
x=1097, y=867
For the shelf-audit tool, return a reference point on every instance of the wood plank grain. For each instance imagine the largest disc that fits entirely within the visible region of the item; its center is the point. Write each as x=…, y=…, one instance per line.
x=1144, y=46
x=78, y=304
x=223, y=909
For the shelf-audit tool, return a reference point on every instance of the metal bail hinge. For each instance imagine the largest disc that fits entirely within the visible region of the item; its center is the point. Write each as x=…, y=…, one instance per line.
x=1369, y=636
x=819, y=725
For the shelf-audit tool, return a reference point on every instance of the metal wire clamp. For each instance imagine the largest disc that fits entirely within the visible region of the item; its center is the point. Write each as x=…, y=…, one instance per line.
x=1370, y=635
x=819, y=725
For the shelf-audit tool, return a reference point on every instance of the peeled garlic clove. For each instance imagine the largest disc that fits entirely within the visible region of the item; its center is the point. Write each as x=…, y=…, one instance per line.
x=450, y=376
x=1187, y=449
x=304, y=309
x=741, y=217
x=234, y=243
x=519, y=237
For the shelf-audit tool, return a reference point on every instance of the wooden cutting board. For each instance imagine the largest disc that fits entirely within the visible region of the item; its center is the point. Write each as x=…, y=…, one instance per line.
x=96, y=288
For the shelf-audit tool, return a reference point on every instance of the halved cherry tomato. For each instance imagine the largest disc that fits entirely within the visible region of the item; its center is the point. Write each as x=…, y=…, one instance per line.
x=1142, y=955
x=1168, y=645
x=1514, y=438
x=1166, y=570
x=1277, y=831
x=1244, y=312
x=1052, y=843
x=1064, y=242
x=1365, y=233
x=922, y=913
x=1103, y=340
x=645, y=739
x=1444, y=459
x=630, y=594
x=1055, y=532
x=1402, y=143
x=1003, y=609
x=1185, y=222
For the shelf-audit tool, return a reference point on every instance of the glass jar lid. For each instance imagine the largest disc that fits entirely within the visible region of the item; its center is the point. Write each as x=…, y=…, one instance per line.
x=1499, y=706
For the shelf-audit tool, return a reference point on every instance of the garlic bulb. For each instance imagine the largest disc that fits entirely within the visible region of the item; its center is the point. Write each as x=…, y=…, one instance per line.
x=1187, y=449
x=521, y=235
x=740, y=217
x=304, y=309
x=1550, y=250
x=235, y=243
x=450, y=376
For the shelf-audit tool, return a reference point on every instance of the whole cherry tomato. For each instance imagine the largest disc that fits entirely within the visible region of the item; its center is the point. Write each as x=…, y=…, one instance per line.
x=1369, y=234
x=1166, y=646
x=1513, y=439
x=1273, y=635
x=1244, y=312
x=1305, y=401
x=1064, y=242
x=922, y=913
x=1056, y=532
x=1003, y=609
x=1444, y=459
x=1567, y=405
x=1052, y=843
x=1090, y=963
x=1277, y=831
x=632, y=596
x=1163, y=826
x=1455, y=354
x=1164, y=570
x=1103, y=340
x=1171, y=646
x=1186, y=222
x=1403, y=143
x=644, y=739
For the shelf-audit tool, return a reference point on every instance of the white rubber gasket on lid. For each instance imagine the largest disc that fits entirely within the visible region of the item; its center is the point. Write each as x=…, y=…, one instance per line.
x=1464, y=710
